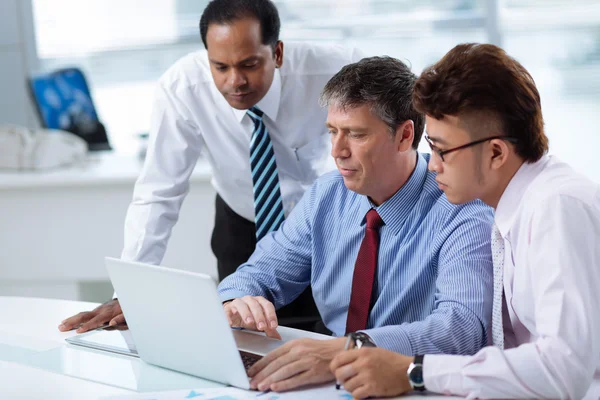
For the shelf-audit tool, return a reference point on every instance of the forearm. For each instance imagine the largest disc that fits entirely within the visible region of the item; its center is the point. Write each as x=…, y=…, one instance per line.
x=243, y=283
x=454, y=330
x=271, y=272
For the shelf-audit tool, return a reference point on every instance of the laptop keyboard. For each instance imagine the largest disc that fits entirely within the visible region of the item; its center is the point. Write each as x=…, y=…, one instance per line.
x=249, y=359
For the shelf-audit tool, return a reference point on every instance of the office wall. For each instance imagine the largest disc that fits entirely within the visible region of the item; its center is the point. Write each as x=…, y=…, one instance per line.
x=17, y=60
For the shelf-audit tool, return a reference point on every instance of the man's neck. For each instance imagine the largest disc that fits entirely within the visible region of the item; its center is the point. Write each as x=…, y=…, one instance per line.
x=405, y=170
x=509, y=171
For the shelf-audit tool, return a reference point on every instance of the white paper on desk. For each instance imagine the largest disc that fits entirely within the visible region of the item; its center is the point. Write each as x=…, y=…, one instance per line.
x=324, y=392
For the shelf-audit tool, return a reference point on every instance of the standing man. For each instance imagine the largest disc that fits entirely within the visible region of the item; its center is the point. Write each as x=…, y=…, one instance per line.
x=254, y=111
x=486, y=133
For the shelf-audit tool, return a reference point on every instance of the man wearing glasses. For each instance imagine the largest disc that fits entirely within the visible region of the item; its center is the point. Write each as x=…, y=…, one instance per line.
x=385, y=252
x=545, y=319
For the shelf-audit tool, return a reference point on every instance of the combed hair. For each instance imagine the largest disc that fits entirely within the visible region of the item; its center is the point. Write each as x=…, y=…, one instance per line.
x=226, y=11
x=474, y=80
x=385, y=84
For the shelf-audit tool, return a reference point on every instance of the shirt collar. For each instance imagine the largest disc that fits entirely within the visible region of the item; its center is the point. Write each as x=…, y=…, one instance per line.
x=506, y=210
x=269, y=104
x=396, y=209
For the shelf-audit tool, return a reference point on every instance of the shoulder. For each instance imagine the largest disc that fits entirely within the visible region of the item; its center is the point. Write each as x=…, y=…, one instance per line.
x=316, y=59
x=190, y=70
x=329, y=191
x=560, y=183
x=556, y=191
x=330, y=182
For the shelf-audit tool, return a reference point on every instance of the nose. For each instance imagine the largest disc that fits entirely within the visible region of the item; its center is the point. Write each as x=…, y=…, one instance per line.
x=237, y=79
x=435, y=163
x=339, y=148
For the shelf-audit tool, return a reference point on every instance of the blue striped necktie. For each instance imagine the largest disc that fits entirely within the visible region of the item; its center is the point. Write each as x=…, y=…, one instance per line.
x=268, y=205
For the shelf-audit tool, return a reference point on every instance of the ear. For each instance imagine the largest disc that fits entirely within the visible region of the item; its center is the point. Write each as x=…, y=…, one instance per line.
x=500, y=152
x=278, y=54
x=405, y=134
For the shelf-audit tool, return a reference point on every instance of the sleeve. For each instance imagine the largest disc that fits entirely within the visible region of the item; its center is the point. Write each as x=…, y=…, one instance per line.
x=173, y=150
x=563, y=260
x=458, y=323
x=280, y=267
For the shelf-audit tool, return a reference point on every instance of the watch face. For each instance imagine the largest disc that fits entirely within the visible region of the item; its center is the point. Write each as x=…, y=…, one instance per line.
x=416, y=375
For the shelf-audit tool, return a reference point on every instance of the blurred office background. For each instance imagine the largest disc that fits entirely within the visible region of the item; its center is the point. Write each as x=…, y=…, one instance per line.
x=123, y=46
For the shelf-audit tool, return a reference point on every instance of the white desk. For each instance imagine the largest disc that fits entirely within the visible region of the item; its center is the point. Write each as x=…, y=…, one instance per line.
x=36, y=362
x=57, y=226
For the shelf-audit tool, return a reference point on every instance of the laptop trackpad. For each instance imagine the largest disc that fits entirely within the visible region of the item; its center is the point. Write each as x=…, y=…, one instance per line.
x=254, y=342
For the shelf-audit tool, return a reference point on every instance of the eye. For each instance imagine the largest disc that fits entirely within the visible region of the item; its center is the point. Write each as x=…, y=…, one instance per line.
x=221, y=68
x=251, y=65
x=356, y=135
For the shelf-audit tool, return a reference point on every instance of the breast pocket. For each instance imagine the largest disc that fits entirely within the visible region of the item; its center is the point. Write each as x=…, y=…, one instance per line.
x=314, y=158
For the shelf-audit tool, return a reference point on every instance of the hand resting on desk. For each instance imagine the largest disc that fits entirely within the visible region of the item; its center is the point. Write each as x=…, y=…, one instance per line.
x=255, y=313
x=107, y=313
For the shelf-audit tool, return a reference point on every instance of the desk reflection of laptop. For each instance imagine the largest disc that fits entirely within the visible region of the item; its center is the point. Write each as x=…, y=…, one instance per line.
x=118, y=339
x=176, y=321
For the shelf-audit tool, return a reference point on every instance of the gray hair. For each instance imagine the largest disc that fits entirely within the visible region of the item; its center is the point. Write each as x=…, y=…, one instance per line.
x=384, y=83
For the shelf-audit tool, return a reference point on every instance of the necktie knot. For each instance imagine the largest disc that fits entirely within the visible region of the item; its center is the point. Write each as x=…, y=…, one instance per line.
x=374, y=221
x=255, y=113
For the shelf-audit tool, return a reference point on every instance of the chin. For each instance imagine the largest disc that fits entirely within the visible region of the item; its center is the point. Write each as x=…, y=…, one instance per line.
x=458, y=199
x=351, y=185
x=243, y=104
x=238, y=105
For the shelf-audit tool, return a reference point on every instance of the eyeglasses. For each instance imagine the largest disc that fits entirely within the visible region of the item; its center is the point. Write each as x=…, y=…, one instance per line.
x=442, y=153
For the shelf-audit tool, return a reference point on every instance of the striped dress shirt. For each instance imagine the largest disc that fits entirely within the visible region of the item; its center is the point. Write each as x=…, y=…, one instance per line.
x=434, y=273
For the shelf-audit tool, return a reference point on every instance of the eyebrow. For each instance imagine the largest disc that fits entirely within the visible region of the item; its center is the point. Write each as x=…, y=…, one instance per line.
x=251, y=58
x=435, y=139
x=348, y=128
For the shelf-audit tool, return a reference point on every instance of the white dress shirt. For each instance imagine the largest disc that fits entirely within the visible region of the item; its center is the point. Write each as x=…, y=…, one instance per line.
x=549, y=218
x=190, y=116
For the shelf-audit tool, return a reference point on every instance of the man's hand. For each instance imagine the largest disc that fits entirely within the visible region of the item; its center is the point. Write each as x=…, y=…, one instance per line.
x=109, y=312
x=297, y=363
x=255, y=313
x=372, y=372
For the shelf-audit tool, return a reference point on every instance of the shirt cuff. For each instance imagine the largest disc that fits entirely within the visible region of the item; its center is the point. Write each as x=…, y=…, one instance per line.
x=230, y=294
x=392, y=338
x=443, y=373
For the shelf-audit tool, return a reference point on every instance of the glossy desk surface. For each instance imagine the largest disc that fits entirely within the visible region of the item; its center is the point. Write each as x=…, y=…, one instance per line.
x=36, y=362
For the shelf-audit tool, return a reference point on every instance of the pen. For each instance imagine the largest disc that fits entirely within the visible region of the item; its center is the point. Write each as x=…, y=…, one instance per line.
x=346, y=347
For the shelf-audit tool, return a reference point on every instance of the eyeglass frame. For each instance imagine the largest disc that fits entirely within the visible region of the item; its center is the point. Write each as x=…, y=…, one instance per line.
x=442, y=153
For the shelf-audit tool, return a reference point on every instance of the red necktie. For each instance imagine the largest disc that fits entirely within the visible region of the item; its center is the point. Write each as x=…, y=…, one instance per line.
x=364, y=275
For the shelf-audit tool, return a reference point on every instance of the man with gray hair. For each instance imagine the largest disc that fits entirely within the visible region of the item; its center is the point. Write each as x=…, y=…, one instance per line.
x=391, y=262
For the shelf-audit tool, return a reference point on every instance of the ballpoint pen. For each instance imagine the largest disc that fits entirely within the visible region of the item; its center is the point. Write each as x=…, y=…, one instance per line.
x=346, y=347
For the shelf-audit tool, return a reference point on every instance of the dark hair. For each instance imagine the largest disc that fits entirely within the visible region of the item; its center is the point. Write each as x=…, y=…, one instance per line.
x=226, y=11
x=383, y=82
x=482, y=80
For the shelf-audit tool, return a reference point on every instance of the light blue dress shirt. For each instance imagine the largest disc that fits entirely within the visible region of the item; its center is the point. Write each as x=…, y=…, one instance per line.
x=434, y=269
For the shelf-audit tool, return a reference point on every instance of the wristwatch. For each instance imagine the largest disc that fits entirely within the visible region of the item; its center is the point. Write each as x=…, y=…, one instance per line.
x=361, y=339
x=415, y=374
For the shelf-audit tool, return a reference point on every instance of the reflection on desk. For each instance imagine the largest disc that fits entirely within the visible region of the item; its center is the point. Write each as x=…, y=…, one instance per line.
x=21, y=382
x=33, y=352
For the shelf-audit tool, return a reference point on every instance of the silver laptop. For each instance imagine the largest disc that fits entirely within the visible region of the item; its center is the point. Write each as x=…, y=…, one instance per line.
x=177, y=322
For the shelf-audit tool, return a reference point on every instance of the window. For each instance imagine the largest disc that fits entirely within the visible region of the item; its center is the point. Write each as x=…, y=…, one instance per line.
x=124, y=46
x=558, y=41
